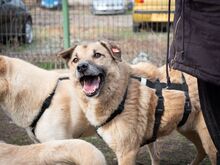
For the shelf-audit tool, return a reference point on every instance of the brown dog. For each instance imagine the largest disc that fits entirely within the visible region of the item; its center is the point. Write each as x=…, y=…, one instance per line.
x=62, y=152
x=102, y=78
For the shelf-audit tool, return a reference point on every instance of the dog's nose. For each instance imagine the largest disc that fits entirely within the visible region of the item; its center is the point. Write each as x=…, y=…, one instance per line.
x=82, y=67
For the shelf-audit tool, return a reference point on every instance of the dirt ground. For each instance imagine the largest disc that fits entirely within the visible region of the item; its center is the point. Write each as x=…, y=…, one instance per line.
x=174, y=149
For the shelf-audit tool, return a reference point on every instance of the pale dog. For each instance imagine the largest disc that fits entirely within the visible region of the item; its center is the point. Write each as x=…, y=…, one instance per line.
x=23, y=89
x=58, y=152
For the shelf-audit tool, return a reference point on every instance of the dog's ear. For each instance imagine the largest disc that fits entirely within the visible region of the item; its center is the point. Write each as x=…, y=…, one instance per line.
x=113, y=49
x=66, y=54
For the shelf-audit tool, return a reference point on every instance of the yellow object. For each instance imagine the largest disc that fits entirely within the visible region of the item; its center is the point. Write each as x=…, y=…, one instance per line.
x=152, y=11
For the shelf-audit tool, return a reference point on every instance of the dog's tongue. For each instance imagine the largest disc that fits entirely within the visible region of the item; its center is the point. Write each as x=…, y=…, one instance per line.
x=91, y=85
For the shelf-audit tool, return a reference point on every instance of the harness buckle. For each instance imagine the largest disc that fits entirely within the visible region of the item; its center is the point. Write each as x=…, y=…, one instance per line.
x=159, y=111
x=188, y=106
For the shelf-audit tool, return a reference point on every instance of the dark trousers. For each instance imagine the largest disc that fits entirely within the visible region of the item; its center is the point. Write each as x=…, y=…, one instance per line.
x=209, y=95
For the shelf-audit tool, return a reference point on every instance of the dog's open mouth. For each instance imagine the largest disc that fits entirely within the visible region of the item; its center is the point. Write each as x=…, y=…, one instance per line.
x=92, y=84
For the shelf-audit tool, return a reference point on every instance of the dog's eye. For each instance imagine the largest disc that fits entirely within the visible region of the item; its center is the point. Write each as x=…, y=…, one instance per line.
x=97, y=55
x=75, y=60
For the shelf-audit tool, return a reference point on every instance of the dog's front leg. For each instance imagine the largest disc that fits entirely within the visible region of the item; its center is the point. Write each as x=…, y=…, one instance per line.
x=127, y=158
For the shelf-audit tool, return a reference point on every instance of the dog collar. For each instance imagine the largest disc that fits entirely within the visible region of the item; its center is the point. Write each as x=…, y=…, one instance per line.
x=118, y=111
x=45, y=105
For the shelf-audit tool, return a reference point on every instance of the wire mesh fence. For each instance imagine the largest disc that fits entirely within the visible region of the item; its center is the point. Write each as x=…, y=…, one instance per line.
x=138, y=27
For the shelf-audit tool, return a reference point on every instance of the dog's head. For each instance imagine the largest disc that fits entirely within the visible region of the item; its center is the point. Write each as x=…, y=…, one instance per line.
x=93, y=65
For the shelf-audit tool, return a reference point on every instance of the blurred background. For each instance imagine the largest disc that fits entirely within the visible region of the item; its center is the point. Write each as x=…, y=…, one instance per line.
x=35, y=30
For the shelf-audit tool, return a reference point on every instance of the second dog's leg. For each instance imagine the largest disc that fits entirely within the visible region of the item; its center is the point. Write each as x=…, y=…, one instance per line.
x=154, y=153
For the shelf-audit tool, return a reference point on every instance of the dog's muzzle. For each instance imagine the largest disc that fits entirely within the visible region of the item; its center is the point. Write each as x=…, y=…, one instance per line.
x=91, y=78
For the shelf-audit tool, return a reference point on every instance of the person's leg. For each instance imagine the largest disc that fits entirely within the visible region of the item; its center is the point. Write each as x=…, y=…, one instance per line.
x=209, y=95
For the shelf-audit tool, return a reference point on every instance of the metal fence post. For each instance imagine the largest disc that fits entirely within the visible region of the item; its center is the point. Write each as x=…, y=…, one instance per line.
x=66, y=25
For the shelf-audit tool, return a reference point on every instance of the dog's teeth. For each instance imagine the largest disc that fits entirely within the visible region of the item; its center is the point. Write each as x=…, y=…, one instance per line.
x=91, y=84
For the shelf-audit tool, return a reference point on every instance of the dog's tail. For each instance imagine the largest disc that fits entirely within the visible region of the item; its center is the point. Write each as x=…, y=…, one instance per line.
x=145, y=69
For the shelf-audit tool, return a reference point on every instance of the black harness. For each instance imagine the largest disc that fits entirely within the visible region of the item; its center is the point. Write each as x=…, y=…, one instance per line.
x=158, y=86
x=118, y=111
x=45, y=105
x=159, y=110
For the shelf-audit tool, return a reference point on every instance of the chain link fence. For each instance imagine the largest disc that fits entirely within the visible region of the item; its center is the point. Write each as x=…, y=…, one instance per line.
x=36, y=33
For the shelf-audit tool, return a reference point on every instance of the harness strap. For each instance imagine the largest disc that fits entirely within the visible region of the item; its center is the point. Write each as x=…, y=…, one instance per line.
x=160, y=106
x=45, y=105
x=187, y=106
x=150, y=84
x=118, y=111
x=173, y=86
x=158, y=113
